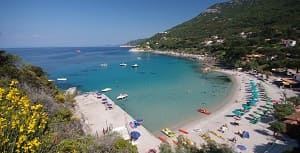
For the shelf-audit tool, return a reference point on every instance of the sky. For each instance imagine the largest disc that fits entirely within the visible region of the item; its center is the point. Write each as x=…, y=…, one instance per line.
x=72, y=23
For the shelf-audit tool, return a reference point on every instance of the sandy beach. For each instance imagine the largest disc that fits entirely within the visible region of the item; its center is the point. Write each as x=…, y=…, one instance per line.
x=96, y=117
x=261, y=138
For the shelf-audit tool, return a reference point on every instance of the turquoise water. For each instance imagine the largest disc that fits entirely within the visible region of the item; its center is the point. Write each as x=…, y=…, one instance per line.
x=163, y=90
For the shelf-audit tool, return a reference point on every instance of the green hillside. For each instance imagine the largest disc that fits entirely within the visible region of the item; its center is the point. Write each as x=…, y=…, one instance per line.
x=230, y=30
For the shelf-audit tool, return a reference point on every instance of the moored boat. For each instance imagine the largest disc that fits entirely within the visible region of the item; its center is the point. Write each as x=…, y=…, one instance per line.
x=183, y=131
x=61, y=79
x=135, y=65
x=103, y=65
x=168, y=132
x=106, y=89
x=163, y=140
x=122, y=96
x=123, y=64
x=204, y=111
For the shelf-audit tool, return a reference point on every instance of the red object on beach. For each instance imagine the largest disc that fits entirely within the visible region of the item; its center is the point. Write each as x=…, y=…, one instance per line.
x=183, y=131
x=152, y=151
x=175, y=142
x=204, y=111
x=163, y=140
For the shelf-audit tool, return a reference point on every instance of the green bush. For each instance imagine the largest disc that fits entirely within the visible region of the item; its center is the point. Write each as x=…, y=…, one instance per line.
x=283, y=110
x=278, y=127
x=122, y=145
x=60, y=98
x=63, y=115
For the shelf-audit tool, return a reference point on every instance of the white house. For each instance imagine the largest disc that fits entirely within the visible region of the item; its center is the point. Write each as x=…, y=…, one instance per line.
x=297, y=76
x=288, y=42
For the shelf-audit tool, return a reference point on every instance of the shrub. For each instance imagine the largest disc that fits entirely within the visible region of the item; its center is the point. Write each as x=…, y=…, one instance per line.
x=122, y=145
x=278, y=126
x=21, y=123
x=63, y=115
x=60, y=98
x=283, y=110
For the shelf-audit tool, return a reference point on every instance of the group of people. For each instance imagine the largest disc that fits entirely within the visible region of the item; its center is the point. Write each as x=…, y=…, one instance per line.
x=107, y=130
x=223, y=128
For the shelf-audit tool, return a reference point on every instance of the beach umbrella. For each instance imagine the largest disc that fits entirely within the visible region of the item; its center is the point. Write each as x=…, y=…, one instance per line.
x=269, y=106
x=135, y=135
x=241, y=147
x=246, y=134
x=257, y=115
x=245, y=106
x=238, y=112
x=270, y=103
x=259, y=112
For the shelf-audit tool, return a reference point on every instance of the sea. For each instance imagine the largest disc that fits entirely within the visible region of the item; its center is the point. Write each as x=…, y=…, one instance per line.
x=163, y=90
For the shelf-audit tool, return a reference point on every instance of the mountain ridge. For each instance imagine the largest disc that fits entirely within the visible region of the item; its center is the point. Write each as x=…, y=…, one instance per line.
x=249, y=26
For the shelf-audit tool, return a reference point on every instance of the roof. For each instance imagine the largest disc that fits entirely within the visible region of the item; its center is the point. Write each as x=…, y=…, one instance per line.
x=294, y=117
x=291, y=122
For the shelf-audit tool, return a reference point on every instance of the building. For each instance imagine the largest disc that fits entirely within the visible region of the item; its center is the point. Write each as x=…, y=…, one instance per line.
x=288, y=42
x=250, y=57
x=297, y=76
x=293, y=119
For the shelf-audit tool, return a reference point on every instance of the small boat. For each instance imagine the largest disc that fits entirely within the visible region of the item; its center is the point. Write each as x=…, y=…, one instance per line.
x=122, y=96
x=175, y=142
x=61, y=79
x=139, y=58
x=163, y=140
x=123, y=64
x=135, y=65
x=183, y=131
x=204, y=111
x=168, y=132
x=106, y=89
x=104, y=65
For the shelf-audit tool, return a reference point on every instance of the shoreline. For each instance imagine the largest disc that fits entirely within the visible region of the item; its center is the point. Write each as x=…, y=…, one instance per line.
x=227, y=102
x=169, y=53
x=220, y=115
x=96, y=117
x=261, y=135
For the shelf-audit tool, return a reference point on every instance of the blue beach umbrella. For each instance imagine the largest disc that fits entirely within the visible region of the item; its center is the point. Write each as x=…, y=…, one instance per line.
x=247, y=107
x=241, y=147
x=135, y=135
x=238, y=112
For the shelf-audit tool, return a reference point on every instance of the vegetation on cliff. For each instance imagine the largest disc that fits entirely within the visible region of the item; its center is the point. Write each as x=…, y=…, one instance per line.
x=37, y=117
x=232, y=30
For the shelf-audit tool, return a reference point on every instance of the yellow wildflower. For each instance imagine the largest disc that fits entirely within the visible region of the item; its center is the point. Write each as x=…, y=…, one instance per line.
x=21, y=139
x=24, y=121
x=1, y=93
x=21, y=128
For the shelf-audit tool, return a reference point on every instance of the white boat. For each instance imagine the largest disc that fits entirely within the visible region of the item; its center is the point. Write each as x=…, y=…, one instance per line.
x=106, y=89
x=104, y=65
x=61, y=79
x=122, y=96
x=139, y=58
x=135, y=65
x=123, y=64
